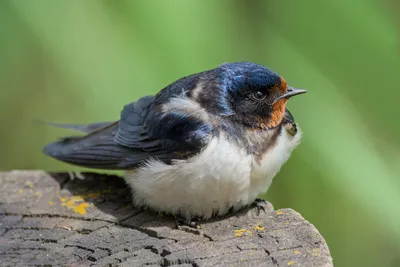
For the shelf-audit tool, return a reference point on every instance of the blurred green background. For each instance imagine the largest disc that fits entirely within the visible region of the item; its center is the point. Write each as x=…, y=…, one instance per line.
x=80, y=61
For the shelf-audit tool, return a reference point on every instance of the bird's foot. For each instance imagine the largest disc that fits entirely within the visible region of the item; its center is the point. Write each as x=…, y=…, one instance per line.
x=259, y=205
x=73, y=175
x=192, y=223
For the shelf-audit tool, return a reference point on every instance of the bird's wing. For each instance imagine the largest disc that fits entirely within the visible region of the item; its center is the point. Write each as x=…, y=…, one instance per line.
x=143, y=133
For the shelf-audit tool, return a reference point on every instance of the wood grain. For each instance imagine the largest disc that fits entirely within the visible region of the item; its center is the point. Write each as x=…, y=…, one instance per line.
x=47, y=219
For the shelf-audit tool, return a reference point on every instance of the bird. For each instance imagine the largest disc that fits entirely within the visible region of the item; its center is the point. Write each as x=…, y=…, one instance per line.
x=205, y=145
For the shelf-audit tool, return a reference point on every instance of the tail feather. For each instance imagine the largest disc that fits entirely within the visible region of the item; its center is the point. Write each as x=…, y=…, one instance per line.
x=85, y=128
x=96, y=149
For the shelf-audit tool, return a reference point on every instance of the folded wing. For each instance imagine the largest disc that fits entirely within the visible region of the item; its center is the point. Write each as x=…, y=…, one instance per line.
x=142, y=133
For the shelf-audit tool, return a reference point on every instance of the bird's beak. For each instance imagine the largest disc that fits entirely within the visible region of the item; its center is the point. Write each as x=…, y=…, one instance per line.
x=289, y=93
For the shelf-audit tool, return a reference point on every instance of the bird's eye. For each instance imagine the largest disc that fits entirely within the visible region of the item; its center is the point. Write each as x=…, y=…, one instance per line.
x=258, y=96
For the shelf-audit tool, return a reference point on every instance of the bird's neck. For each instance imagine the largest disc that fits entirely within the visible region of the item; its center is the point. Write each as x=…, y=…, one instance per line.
x=277, y=113
x=256, y=141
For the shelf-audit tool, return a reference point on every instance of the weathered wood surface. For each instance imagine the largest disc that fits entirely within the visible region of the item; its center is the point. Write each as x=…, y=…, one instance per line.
x=51, y=220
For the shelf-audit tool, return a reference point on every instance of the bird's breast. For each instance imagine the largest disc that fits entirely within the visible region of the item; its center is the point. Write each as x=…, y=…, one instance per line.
x=267, y=165
x=222, y=176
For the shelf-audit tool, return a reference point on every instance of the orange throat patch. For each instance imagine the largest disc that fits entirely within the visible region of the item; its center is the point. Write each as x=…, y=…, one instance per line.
x=278, y=111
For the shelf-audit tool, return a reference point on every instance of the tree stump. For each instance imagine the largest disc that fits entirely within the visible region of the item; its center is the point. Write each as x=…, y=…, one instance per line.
x=49, y=219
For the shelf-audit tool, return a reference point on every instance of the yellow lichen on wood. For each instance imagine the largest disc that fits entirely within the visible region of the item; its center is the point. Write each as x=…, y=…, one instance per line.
x=29, y=184
x=20, y=191
x=297, y=252
x=75, y=203
x=81, y=208
x=291, y=263
x=315, y=252
x=259, y=228
x=279, y=212
x=76, y=198
x=242, y=232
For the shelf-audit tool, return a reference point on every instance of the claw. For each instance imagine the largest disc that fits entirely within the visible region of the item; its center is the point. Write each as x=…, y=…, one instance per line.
x=193, y=223
x=258, y=204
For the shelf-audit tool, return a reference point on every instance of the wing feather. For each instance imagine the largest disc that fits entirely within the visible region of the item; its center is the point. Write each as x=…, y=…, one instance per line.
x=142, y=133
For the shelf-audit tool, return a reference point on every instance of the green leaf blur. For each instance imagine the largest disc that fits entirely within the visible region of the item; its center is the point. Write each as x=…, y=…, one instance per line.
x=80, y=61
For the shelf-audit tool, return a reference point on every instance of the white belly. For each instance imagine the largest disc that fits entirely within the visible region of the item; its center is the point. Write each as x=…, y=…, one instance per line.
x=220, y=177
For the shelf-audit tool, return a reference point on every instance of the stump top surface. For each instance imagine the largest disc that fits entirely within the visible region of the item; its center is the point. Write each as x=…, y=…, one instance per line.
x=49, y=219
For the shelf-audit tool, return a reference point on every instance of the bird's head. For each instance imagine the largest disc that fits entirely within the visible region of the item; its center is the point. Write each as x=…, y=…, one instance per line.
x=248, y=93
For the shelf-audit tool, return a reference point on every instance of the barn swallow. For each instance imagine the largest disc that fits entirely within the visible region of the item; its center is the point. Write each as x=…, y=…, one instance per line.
x=203, y=146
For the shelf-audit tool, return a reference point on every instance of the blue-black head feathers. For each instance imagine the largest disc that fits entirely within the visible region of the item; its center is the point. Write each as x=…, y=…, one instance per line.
x=240, y=76
x=222, y=86
x=244, y=91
